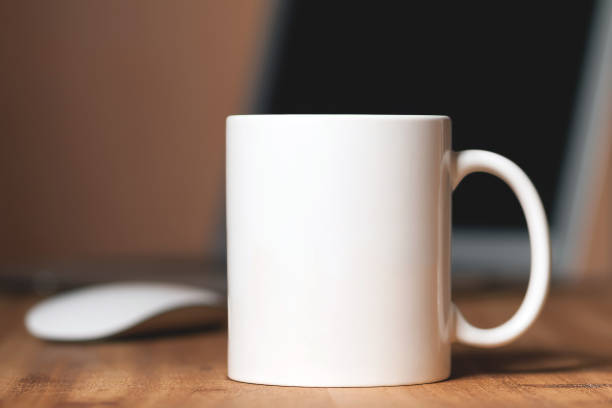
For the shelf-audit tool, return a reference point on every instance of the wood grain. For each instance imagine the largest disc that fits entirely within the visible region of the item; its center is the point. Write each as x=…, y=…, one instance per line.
x=564, y=360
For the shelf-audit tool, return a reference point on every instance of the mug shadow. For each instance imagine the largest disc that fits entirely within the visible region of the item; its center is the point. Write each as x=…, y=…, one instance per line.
x=148, y=335
x=466, y=363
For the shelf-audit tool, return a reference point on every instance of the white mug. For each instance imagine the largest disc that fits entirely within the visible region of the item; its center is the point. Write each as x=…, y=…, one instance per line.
x=339, y=230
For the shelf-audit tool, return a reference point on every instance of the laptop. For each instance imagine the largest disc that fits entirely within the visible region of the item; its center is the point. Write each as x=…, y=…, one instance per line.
x=521, y=79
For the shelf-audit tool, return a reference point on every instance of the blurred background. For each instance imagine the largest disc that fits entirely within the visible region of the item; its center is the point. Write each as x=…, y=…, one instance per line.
x=112, y=122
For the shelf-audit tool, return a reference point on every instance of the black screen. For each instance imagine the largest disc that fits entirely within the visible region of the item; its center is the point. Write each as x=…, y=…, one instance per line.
x=507, y=73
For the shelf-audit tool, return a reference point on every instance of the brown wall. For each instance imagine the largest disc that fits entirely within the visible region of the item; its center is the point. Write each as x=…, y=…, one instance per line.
x=595, y=259
x=112, y=124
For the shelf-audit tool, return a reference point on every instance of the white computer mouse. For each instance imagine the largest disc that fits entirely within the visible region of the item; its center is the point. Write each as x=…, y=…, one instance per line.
x=108, y=310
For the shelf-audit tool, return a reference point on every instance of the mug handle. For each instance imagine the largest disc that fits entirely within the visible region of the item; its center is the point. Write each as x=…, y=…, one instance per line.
x=471, y=161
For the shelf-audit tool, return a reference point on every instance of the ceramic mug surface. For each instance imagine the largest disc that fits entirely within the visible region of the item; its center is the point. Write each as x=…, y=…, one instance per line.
x=339, y=233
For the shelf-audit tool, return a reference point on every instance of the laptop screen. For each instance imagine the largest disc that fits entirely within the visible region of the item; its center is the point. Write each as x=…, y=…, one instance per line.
x=507, y=73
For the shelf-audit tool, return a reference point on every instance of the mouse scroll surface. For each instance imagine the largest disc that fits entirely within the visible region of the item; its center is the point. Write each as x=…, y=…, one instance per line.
x=103, y=311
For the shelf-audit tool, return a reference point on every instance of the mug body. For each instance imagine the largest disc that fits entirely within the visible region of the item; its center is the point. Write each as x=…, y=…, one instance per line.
x=338, y=249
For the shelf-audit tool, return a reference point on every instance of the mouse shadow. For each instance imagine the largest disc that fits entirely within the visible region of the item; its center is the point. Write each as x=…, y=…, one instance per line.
x=155, y=334
x=149, y=335
x=467, y=363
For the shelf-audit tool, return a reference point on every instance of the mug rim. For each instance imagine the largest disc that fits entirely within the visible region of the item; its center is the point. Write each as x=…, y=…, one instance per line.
x=339, y=116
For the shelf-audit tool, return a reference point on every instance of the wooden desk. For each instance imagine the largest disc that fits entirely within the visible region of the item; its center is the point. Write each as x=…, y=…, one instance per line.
x=564, y=360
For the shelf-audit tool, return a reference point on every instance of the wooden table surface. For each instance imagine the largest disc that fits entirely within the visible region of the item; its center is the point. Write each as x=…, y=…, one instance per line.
x=564, y=360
